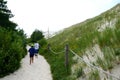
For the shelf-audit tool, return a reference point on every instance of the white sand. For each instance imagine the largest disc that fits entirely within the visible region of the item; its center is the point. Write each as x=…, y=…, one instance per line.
x=91, y=56
x=116, y=71
x=39, y=70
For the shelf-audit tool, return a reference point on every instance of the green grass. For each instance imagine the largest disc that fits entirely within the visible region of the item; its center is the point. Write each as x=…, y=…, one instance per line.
x=57, y=63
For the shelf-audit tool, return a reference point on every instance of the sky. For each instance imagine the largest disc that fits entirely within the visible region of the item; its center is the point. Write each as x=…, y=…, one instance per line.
x=55, y=15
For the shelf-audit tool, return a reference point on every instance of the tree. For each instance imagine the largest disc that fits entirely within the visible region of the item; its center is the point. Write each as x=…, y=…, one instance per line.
x=5, y=15
x=12, y=42
x=36, y=36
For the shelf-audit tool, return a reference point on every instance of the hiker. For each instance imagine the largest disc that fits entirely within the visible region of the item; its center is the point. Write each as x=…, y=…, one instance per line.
x=36, y=46
x=31, y=53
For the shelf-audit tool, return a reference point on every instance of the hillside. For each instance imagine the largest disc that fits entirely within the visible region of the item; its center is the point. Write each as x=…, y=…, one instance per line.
x=96, y=40
x=74, y=33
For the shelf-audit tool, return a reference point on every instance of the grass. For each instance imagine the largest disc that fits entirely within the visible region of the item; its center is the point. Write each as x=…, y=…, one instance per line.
x=57, y=62
x=94, y=75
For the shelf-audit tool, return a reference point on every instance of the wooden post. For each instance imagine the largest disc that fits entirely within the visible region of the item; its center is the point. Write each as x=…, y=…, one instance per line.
x=66, y=55
x=48, y=47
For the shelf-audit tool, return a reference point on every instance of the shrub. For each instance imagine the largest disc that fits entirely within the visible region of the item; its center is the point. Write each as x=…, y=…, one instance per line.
x=11, y=51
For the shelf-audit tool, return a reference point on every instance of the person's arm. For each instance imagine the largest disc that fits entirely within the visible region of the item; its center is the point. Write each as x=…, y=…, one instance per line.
x=29, y=50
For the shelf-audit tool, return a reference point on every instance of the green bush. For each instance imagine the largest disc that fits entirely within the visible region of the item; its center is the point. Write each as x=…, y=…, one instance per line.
x=42, y=42
x=12, y=49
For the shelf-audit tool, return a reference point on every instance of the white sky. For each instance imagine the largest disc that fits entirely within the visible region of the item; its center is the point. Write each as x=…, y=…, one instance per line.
x=55, y=14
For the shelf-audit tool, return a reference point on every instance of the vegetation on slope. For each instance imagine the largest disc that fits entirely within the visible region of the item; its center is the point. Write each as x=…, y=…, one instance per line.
x=103, y=30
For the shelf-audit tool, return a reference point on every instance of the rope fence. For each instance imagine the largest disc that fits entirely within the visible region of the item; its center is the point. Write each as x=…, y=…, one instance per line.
x=88, y=64
x=94, y=66
x=56, y=52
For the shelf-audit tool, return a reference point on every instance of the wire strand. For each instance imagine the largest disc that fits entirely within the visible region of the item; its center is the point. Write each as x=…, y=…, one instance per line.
x=94, y=66
x=56, y=52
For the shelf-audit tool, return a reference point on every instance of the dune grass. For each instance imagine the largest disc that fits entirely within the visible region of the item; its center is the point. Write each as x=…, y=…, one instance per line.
x=82, y=36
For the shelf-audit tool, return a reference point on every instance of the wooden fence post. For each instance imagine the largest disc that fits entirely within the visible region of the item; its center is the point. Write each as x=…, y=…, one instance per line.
x=48, y=47
x=66, y=55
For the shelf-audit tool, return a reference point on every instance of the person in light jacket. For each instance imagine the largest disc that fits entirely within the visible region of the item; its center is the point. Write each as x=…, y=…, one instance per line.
x=36, y=46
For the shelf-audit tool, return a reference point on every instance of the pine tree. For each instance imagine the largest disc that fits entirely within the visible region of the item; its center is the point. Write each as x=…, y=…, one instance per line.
x=36, y=36
x=5, y=15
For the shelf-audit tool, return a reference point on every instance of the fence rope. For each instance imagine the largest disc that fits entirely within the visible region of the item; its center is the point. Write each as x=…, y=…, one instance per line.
x=89, y=64
x=56, y=52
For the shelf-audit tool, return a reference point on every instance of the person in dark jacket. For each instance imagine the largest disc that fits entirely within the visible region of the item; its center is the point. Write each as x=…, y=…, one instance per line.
x=31, y=54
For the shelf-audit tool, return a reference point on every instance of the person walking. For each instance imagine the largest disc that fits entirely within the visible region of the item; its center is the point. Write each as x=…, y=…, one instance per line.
x=36, y=46
x=31, y=54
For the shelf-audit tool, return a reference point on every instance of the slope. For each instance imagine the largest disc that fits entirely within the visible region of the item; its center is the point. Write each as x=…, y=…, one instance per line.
x=102, y=30
x=75, y=33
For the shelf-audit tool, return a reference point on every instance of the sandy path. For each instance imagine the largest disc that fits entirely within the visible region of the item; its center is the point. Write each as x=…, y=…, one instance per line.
x=39, y=70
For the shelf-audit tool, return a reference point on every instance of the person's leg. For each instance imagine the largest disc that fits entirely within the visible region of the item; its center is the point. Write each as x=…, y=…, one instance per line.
x=37, y=53
x=32, y=59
